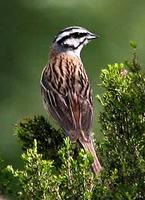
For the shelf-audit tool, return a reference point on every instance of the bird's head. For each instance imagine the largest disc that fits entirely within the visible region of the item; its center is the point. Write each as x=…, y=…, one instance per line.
x=73, y=39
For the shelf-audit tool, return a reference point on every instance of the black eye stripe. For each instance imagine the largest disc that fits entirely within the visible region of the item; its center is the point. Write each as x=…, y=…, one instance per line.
x=71, y=35
x=78, y=35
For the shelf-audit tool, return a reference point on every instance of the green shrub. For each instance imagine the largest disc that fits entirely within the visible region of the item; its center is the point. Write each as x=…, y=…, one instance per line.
x=49, y=140
x=39, y=179
x=123, y=125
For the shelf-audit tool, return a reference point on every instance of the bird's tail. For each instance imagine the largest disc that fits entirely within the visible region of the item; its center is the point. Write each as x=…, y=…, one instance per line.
x=89, y=147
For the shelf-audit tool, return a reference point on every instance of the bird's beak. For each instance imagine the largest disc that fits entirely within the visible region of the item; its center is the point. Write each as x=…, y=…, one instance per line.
x=92, y=36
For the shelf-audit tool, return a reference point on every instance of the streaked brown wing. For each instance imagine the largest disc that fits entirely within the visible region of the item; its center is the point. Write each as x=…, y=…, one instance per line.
x=58, y=106
x=72, y=109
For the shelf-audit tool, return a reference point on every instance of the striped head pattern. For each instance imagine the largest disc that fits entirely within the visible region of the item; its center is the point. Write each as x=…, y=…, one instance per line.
x=73, y=39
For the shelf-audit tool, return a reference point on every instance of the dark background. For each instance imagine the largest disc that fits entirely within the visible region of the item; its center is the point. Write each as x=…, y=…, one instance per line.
x=26, y=31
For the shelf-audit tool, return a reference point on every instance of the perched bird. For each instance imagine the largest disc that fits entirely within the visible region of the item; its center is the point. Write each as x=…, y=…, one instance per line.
x=65, y=88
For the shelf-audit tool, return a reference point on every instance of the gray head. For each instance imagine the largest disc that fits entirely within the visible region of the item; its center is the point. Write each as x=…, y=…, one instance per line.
x=72, y=39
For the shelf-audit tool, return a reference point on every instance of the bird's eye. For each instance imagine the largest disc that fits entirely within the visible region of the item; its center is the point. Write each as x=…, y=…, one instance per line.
x=77, y=35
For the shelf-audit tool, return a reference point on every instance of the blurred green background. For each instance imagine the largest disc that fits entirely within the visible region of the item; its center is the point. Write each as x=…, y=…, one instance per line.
x=26, y=31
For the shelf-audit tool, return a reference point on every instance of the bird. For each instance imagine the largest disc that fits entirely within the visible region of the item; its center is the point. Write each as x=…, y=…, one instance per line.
x=66, y=91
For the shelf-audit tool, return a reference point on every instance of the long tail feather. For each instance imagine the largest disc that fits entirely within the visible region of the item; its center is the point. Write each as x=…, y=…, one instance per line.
x=89, y=147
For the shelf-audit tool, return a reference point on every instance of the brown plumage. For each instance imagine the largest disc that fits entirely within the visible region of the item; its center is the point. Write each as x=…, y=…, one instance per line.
x=68, y=97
